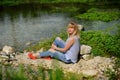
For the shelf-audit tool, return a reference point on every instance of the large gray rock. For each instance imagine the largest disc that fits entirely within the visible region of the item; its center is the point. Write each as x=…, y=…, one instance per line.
x=85, y=49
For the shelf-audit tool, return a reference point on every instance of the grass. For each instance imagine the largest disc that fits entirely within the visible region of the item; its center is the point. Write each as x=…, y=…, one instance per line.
x=100, y=14
x=17, y=2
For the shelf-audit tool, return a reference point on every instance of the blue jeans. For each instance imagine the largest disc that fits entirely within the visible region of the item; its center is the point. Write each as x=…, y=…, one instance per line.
x=57, y=55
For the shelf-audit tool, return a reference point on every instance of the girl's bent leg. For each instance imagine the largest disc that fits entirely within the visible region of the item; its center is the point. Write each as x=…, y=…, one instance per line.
x=59, y=43
x=57, y=55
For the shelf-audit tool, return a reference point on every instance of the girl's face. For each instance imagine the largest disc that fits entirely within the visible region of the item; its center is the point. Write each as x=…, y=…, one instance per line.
x=70, y=29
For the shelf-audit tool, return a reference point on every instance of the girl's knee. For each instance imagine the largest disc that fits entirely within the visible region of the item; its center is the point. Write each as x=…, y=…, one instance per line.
x=56, y=42
x=58, y=38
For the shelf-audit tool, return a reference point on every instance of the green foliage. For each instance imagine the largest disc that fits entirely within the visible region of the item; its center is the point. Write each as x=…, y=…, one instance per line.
x=0, y=72
x=103, y=15
x=56, y=74
x=16, y=2
x=117, y=63
x=101, y=43
x=111, y=74
x=17, y=74
x=114, y=74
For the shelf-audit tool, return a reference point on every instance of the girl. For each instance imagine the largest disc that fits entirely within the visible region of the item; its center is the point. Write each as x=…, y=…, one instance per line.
x=65, y=51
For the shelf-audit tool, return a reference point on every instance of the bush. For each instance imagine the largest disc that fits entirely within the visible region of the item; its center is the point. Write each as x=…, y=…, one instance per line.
x=114, y=74
x=102, y=43
x=100, y=14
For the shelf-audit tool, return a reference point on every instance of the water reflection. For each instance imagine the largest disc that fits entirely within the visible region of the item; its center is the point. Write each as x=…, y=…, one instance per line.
x=18, y=31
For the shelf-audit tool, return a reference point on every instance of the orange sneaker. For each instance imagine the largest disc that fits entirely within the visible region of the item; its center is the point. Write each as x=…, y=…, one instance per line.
x=31, y=56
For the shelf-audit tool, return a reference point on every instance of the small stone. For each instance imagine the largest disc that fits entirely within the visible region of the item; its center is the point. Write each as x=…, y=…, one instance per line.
x=86, y=57
x=80, y=27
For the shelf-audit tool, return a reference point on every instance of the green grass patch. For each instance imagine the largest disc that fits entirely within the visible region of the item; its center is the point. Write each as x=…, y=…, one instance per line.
x=100, y=14
x=17, y=2
x=114, y=74
x=102, y=43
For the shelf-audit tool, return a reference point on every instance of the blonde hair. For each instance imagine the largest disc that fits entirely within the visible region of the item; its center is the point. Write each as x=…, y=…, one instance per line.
x=76, y=30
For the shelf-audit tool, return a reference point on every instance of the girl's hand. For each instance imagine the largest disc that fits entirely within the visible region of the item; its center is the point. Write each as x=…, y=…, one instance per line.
x=54, y=47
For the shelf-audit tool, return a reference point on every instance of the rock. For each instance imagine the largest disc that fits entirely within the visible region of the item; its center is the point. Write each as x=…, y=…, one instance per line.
x=7, y=55
x=85, y=49
x=8, y=49
x=80, y=27
x=86, y=57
